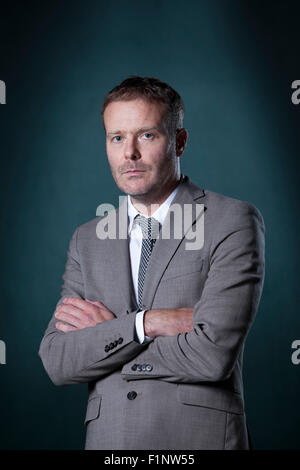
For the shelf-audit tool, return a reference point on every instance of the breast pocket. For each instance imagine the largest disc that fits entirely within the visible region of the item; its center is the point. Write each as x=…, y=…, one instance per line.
x=180, y=286
x=181, y=270
x=93, y=409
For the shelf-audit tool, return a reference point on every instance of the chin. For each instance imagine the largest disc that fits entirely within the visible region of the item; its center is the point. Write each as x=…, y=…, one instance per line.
x=136, y=190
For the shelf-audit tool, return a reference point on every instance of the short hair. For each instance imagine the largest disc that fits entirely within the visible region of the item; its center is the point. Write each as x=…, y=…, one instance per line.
x=150, y=89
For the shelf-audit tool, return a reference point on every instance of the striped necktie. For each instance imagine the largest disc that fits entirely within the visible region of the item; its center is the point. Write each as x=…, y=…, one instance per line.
x=150, y=229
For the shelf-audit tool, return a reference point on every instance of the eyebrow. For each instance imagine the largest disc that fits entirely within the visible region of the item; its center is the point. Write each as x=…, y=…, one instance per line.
x=141, y=129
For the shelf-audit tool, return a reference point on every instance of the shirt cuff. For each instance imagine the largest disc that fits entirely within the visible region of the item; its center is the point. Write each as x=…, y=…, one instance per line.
x=139, y=328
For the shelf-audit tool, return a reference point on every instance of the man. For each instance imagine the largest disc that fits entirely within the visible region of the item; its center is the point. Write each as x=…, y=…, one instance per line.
x=157, y=328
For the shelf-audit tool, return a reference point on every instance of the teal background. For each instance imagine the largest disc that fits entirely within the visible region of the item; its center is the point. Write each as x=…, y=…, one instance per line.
x=233, y=64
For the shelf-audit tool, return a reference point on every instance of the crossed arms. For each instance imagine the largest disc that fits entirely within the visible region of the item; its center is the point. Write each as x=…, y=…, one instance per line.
x=86, y=341
x=76, y=314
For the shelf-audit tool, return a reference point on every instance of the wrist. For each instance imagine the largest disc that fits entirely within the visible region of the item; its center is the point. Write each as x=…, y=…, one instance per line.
x=149, y=323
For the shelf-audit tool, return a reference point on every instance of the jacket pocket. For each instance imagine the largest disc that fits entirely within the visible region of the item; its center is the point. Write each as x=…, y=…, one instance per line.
x=182, y=270
x=93, y=408
x=211, y=397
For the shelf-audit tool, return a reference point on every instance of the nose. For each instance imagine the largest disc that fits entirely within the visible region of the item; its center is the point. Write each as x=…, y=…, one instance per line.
x=131, y=151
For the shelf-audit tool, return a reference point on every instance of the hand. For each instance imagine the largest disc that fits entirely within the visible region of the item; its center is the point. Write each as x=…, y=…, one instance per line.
x=78, y=314
x=168, y=322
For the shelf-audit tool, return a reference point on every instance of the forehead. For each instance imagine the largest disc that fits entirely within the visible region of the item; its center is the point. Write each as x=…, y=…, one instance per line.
x=133, y=113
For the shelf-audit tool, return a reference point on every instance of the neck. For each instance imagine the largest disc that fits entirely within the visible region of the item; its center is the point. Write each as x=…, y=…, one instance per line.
x=148, y=204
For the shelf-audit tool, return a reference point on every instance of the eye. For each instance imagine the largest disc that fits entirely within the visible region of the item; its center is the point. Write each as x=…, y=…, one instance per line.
x=148, y=136
x=117, y=138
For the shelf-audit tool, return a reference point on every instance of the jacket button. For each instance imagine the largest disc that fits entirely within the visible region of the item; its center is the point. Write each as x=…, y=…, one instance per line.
x=139, y=367
x=116, y=343
x=134, y=367
x=148, y=367
x=120, y=340
x=107, y=348
x=131, y=395
x=143, y=367
x=111, y=345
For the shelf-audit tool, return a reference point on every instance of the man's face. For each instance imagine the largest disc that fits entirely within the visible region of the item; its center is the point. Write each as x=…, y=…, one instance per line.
x=141, y=153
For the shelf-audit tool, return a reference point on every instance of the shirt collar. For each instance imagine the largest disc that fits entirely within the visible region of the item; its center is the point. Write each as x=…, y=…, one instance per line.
x=159, y=214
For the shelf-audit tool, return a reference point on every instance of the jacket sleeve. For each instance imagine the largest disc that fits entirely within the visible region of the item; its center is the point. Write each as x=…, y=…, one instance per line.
x=222, y=316
x=87, y=354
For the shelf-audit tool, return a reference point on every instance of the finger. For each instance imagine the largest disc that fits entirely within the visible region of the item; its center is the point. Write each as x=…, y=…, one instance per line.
x=87, y=318
x=95, y=302
x=79, y=303
x=68, y=318
x=77, y=312
x=65, y=328
x=105, y=312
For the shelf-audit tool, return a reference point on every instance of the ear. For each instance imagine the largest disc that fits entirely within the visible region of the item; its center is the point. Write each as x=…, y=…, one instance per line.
x=181, y=140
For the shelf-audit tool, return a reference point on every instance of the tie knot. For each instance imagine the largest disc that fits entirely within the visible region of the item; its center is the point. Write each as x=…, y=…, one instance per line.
x=149, y=225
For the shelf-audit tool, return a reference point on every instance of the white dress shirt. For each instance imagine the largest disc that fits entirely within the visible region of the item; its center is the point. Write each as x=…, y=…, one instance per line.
x=135, y=248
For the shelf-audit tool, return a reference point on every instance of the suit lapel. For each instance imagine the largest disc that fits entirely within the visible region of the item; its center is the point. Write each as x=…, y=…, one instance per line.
x=164, y=249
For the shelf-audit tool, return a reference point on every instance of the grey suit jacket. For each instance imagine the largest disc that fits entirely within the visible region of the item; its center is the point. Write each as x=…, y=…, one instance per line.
x=188, y=388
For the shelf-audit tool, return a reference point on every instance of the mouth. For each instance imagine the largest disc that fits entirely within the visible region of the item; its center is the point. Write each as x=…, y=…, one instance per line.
x=134, y=172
